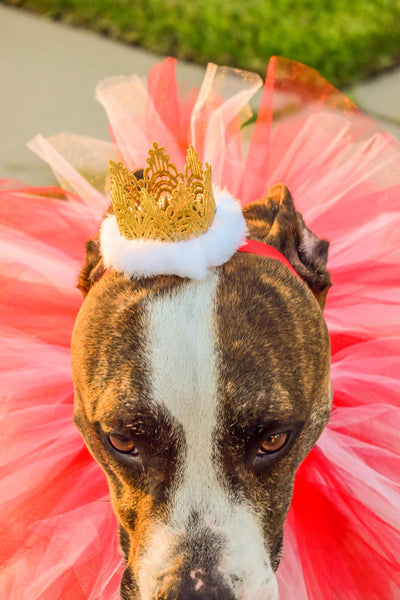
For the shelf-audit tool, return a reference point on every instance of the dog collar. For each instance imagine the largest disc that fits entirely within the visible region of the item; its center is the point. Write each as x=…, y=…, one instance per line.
x=262, y=249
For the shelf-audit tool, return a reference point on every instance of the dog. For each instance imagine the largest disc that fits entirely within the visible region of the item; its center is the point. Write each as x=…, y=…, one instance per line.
x=200, y=399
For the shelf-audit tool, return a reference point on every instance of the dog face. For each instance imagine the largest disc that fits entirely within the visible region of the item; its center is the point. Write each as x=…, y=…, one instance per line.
x=200, y=399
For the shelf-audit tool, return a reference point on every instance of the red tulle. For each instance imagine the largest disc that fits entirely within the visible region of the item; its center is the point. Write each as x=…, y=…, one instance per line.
x=58, y=532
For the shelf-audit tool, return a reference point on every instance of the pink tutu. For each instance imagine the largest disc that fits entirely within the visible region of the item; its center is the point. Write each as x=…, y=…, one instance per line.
x=342, y=542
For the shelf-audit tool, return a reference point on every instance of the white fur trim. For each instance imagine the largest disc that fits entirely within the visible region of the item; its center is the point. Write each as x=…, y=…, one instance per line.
x=189, y=258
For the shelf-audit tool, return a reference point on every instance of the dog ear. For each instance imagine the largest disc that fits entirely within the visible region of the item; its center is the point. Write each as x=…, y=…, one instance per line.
x=93, y=268
x=275, y=221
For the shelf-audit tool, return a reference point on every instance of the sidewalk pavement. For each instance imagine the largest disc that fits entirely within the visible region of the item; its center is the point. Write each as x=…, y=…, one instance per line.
x=49, y=71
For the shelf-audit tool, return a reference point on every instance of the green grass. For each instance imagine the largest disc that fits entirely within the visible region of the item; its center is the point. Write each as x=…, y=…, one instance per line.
x=346, y=40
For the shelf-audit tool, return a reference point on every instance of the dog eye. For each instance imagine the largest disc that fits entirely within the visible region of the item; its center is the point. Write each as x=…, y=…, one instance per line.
x=122, y=444
x=273, y=443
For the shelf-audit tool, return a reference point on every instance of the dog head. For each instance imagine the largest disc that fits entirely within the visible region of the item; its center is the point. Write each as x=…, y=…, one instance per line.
x=200, y=399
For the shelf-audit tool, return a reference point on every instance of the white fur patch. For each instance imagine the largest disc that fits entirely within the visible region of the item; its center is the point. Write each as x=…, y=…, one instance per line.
x=188, y=258
x=183, y=367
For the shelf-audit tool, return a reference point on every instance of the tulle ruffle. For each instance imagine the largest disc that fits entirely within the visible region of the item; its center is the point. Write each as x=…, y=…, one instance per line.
x=59, y=534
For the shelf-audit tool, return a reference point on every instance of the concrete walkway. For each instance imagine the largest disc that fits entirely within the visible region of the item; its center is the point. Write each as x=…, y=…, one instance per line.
x=48, y=72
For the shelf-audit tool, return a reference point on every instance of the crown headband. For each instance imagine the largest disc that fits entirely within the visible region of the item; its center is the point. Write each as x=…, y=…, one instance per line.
x=163, y=205
x=168, y=222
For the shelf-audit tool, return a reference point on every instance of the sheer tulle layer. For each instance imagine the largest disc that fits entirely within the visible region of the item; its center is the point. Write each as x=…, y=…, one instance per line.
x=59, y=535
x=54, y=500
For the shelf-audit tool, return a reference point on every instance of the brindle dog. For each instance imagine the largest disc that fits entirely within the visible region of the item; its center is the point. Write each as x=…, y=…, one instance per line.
x=200, y=399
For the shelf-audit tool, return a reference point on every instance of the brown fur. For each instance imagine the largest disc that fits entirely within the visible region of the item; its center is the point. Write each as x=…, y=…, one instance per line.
x=274, y=368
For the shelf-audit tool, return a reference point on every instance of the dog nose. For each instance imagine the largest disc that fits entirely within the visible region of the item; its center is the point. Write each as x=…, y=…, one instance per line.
x=205, y=593
x=193, y=595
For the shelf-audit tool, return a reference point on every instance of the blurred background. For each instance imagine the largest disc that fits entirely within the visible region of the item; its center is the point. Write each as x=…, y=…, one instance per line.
x=53, y=52
x=345, y=41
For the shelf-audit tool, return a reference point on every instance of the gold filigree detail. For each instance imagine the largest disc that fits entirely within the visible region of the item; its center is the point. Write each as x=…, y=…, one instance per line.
x=165, y=204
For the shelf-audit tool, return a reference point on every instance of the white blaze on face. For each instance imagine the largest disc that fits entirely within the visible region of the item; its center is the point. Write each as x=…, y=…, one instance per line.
x=183, y=371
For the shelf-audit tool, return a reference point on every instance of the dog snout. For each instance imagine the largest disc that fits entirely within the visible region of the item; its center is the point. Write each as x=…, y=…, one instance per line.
x=206, y=595
x=194, y=587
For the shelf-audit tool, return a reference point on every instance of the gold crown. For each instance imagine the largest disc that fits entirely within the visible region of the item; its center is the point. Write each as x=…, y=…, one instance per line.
x=164, y=204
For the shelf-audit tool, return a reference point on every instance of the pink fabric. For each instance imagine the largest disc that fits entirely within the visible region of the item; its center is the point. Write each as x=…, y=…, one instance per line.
x=59, y=534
